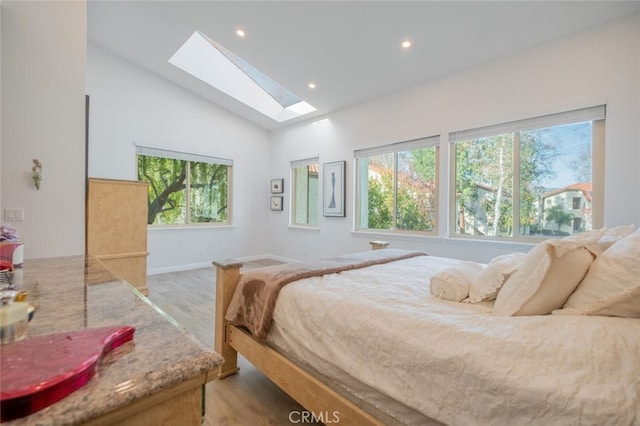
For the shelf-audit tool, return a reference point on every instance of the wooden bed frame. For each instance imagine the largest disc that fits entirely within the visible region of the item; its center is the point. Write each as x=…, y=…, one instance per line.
x=314, y=395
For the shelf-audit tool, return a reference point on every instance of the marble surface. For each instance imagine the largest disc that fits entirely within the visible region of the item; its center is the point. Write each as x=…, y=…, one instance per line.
x=72, y=293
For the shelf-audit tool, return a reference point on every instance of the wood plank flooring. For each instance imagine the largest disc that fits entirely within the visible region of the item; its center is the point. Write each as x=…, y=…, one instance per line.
x=246, y=398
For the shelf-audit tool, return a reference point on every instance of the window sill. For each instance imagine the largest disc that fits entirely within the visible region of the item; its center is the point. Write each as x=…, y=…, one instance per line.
x=396, y=236
x=189, y=227
x=303, y=228
x=516, y=245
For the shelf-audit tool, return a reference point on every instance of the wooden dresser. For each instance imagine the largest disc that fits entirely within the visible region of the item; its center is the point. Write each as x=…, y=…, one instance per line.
x=117, y=228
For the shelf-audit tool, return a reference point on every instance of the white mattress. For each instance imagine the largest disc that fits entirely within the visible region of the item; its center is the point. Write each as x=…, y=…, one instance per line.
x=458, y=363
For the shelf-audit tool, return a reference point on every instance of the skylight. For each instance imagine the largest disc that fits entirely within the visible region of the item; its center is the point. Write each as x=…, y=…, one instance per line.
x=212, y=63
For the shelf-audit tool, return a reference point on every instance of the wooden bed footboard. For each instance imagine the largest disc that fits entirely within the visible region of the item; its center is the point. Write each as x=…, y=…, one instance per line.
x=307, y=390
x=227, y=276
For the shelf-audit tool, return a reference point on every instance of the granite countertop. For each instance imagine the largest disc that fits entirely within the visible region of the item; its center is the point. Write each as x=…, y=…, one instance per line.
x=77, y=292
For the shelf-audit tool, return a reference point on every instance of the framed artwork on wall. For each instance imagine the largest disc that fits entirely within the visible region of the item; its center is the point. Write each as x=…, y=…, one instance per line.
x=277, y=186
x=276, y=203
x=333, y=187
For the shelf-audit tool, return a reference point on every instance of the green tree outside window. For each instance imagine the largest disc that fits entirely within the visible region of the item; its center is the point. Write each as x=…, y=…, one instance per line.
x=184, y=192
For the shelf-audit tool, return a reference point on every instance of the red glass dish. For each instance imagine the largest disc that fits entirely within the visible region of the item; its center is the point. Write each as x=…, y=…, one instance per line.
x=41, y=370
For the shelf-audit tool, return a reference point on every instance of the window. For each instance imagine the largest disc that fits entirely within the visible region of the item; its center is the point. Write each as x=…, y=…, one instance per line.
x=396, y=187
x=304, y=192
x=577, y=201
x=532, y=177
x=184, y=188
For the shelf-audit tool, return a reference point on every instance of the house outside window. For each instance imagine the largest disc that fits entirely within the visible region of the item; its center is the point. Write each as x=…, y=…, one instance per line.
x=396, y=187
x=530, y=178
x=185, y=189
x=304, y=192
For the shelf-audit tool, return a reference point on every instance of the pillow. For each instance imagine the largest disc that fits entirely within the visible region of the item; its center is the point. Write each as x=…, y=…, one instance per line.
x=612, y=285
x=548, y=275
x=453, y=283
x=486, y=285
x=613, y=235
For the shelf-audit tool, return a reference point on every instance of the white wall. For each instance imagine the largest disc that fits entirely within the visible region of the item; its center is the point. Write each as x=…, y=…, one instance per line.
x=129, y=104
x=594, y=67
x=43, y=87
x=1, y=208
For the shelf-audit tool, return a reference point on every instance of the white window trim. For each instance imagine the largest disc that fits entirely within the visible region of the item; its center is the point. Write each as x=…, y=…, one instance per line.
x=410, y=145
x=177, y=155
x=594, y=113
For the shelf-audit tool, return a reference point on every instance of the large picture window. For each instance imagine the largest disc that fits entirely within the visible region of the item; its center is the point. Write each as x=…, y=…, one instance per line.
x=304, y=192
x=184, y=188
x=396, y=187
x=531, y=178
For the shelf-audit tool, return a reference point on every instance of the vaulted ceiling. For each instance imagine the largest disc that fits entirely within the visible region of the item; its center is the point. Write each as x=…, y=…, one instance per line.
x=351, y=50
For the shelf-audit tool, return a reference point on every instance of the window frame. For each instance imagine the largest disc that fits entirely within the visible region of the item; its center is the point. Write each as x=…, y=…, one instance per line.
x=189, y=158
x=394, y=149
x=595, y=114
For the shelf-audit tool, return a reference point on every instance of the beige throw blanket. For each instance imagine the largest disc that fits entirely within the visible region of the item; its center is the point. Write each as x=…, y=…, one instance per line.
x=255, y=296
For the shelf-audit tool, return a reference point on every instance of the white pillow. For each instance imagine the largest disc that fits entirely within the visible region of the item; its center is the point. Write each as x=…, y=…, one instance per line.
x=548, y=275
x=613, y=235
x=453, y=283
x=486, y=285
x=612, y=285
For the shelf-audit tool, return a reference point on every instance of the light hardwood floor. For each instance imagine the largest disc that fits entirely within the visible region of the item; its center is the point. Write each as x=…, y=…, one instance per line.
x=246, y=398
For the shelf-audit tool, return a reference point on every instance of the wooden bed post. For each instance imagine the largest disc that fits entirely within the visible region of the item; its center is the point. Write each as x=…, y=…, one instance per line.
x=227, y=276
x=377, y=245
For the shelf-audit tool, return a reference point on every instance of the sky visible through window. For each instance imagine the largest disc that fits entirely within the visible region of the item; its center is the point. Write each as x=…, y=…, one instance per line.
x=208, y=61
x=276, y=90
x=574, y=146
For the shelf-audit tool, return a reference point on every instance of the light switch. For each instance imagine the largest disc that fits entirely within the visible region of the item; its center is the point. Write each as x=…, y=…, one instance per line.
x=13, y=215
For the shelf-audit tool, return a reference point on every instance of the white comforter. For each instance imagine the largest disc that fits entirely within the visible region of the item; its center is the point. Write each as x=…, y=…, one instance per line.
x=457, y=363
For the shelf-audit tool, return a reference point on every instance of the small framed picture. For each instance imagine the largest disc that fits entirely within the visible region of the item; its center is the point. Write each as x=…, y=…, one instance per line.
x=276, y=203
x=333, y=189
x=277, y=186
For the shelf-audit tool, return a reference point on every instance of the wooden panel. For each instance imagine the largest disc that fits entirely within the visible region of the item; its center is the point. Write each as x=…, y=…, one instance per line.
x=311, y=393
x=178, y=405
x=131, y=268
x=117, y=228
x=117, y=216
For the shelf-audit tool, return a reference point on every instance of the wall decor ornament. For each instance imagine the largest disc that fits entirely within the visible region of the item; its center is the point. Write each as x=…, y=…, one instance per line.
x=37, y=172
x=277, y=186
x=333, y=183
x=276, y=203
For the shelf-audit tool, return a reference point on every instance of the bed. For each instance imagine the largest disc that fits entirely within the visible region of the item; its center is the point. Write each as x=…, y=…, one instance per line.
x=372, y=343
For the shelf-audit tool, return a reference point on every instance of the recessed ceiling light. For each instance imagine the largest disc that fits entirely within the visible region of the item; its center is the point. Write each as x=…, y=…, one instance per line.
x=312, y=85
x=406, y=44
x=240, y=33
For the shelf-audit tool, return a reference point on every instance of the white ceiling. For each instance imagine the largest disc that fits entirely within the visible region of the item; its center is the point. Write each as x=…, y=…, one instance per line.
x=351, y=50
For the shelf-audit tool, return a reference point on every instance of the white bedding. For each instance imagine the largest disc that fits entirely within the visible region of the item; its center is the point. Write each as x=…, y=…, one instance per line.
x=458, y=363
